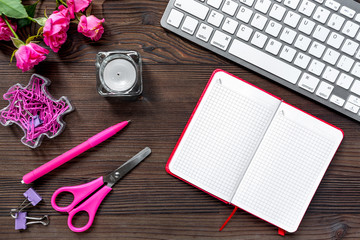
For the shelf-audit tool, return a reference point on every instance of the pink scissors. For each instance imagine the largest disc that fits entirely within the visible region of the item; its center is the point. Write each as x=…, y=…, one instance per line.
x=81, y=192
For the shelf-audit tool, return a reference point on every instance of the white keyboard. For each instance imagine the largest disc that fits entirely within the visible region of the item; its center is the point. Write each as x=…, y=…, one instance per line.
x=310, y=46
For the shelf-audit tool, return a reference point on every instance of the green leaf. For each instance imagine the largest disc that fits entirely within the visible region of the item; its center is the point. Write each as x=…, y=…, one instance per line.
x=30, y=9
x=12, y=55
x=88, y=10
x=78, y=15
x=17, y=42
x=41, y=21
x=40, y=31
x=30, y=39
x=13, y=9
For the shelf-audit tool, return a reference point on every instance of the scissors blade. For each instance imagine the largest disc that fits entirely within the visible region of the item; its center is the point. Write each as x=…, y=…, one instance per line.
x=120, y=172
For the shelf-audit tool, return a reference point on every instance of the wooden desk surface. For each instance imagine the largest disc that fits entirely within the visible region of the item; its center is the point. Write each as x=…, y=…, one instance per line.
x=149, y=203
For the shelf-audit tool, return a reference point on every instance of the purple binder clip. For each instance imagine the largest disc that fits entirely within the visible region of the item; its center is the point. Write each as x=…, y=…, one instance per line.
x=32, y=197
x=21, y=220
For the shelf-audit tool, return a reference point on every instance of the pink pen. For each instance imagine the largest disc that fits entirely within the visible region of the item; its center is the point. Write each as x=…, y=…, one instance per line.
x=63, y=158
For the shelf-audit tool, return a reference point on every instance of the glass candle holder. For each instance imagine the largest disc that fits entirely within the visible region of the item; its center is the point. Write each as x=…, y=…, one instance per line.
x=119, y=74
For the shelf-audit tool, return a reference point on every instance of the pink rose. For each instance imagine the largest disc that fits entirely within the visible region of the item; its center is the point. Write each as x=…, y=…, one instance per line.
x=91, y=27
x=56, y=27
x=76, y=6
x=5, y=32
x=27, y=56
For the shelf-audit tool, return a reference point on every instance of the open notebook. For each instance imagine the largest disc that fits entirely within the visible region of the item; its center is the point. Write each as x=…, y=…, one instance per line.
x=255, y=151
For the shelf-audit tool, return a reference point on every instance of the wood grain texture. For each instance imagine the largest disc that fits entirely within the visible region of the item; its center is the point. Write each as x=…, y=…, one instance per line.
x=149, y=203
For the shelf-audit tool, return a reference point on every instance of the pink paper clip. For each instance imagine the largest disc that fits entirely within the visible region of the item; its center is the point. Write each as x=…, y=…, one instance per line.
x=35, y=111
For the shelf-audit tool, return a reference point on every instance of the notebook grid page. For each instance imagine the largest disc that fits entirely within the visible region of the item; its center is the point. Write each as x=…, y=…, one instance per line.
x=275, y=188
x=216, y=152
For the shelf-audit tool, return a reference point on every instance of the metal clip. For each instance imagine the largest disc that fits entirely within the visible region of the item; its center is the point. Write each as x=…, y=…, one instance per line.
x=31, y=196
x=21, y=220
x=34, y=121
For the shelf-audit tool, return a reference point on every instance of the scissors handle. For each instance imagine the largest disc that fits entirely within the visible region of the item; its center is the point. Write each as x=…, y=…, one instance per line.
x=79, y=192
x=90, y=206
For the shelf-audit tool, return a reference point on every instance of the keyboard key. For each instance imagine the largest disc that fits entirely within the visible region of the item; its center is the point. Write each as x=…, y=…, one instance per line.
x=302, y=60
x=335, y=40
x=356, y=87
x=273, y=28
x=350, y=13
x=288, y=53
x=259, y=39
x=230, y=25
x=273, y=46
x=324, y=90
x=337, y=100
x=308, y=82
x=189, y=25
x=350, y=29
x=332, y=4
x=357, y=17
x=349, y=47
x=357, y=55
x=204, y=32
x=262, y=60
x=354, y=100
x=302, y=42
x=344, y=81
x=307, y=7
x=263, y=6
x=214, y=3
x=244, y=32
x=292, y=19
x=247, y=2
x=306, y=26
x=220, y=40
x=345, y=63
x=192, y=7
x=292, y=3
x=317, y=49
x=330, y=74
x=321, y=33
x=215, y=18
x=351, y=107
x=331, y=56
x=356, y=70
x=336, y=21
x=288, y=35
x=277, y=12
x=259, y=21
x=244, y=14
x=316, y=67
x=230, y=7
x=175, y=18
x=321, y=14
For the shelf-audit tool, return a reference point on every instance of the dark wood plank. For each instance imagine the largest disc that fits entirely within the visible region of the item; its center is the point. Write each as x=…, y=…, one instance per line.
x=149, y=203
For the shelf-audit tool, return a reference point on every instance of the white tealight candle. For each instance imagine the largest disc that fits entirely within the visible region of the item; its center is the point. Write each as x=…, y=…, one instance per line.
x=119, y=75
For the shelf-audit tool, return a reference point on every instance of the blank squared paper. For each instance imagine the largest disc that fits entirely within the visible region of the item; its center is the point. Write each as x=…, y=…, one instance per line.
x=287, y=167
x=222, y=138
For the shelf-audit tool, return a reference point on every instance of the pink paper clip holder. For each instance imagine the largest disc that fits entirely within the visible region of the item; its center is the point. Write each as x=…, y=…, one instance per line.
x=35, y=111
